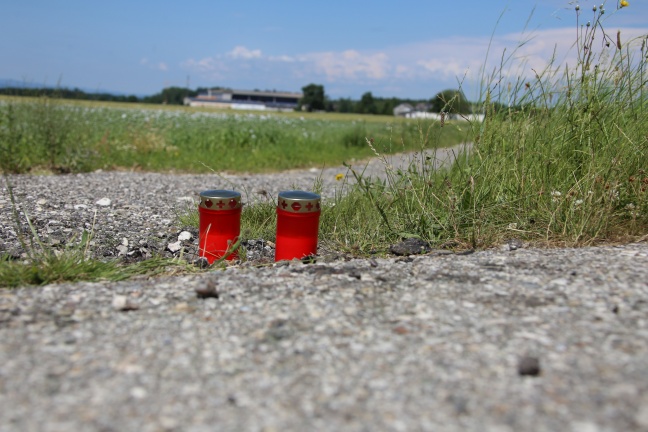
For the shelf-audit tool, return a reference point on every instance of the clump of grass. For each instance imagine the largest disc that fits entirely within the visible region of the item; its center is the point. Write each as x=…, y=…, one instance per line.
x=73, y=266
x=562, y=163
x=42, y=134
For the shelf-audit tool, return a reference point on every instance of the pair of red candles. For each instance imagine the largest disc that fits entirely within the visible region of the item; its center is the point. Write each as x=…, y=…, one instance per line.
x=298, y=215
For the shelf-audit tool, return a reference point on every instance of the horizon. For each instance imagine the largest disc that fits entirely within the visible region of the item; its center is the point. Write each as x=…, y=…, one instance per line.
x=412, y=51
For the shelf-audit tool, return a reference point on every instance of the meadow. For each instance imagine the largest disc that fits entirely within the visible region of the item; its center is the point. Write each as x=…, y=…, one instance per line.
x=45, y=134
x=561, y=159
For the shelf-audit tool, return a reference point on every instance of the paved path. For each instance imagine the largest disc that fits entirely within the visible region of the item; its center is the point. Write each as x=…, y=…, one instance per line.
x=509, y=339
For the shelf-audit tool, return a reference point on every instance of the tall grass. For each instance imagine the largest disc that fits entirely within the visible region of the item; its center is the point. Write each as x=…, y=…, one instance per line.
x=566, y=164
x=60, y=136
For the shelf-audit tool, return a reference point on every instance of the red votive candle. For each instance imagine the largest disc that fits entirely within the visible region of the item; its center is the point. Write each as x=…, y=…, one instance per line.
x=220, y=224
x=298, y=215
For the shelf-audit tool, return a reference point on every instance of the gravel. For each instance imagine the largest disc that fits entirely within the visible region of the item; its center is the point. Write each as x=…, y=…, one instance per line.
x=499, y=340
x=133, y=215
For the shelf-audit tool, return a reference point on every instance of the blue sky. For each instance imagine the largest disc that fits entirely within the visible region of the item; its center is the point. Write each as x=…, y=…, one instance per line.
x=405, y=48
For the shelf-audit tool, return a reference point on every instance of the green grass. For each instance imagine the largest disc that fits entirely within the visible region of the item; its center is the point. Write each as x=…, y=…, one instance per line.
x=45, y=134
x=71, y=267
x=559, y=160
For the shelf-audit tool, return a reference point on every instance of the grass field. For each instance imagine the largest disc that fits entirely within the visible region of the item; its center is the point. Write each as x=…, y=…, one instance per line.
x=54, y=135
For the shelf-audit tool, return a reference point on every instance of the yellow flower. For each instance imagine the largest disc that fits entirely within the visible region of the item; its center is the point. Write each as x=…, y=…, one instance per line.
x=339, y=177
x=624, y=3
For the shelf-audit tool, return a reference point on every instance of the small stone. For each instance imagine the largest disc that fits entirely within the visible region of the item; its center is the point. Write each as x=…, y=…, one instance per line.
x=278, y=329
x=80, y=207
x=183, y=307
x=123, y=304
x=201, y=262
x=104, y=202
x=207, y=291
x=174, y=247
x=401, y=330
x=184, y=236
x=533, y=301
x=584, y=426
x=410, y=246
x=514, y=244
x=529, y=366
x=138, y=393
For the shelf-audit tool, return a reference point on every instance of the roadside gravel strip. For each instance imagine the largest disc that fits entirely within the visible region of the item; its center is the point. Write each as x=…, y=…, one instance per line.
x=133, y=215
x=508, y=339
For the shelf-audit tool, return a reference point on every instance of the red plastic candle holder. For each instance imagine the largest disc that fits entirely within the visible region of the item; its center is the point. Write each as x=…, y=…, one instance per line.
x=220, y=224
x=298, y=215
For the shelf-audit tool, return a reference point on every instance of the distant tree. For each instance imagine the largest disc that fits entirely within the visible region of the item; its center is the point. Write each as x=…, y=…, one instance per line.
x=450, y=101
x=367, y=104
x=171, y=96
x=344, y=105
x=65, y=93
x=313, y=99
x=386, y=106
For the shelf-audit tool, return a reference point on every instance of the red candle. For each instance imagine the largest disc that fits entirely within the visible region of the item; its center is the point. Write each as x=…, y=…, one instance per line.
x=220, y=224
x=298, y=215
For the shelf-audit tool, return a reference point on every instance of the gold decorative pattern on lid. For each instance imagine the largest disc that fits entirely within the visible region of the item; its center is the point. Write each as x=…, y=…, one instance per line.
x=299, y=201
x=220, y=199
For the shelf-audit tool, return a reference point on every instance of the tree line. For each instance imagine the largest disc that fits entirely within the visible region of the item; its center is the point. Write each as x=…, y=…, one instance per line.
x=314, y=99
x=450, y=101
x=169, y=95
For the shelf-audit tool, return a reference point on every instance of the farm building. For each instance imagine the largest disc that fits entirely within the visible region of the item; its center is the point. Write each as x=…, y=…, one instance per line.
x=403, y=109
x=246, y=99
x=422, y=112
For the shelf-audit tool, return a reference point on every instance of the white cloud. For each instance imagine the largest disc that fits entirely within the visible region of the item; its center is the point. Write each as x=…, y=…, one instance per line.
x=515, y=54
x=282, y=58
x=439, y=62
x=206, y=64
x=241, y=52
x=161, y=66
x=349, y=64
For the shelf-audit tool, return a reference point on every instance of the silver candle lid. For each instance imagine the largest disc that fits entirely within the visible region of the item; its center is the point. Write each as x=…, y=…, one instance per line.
x=296, y=201
x=220, y=199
